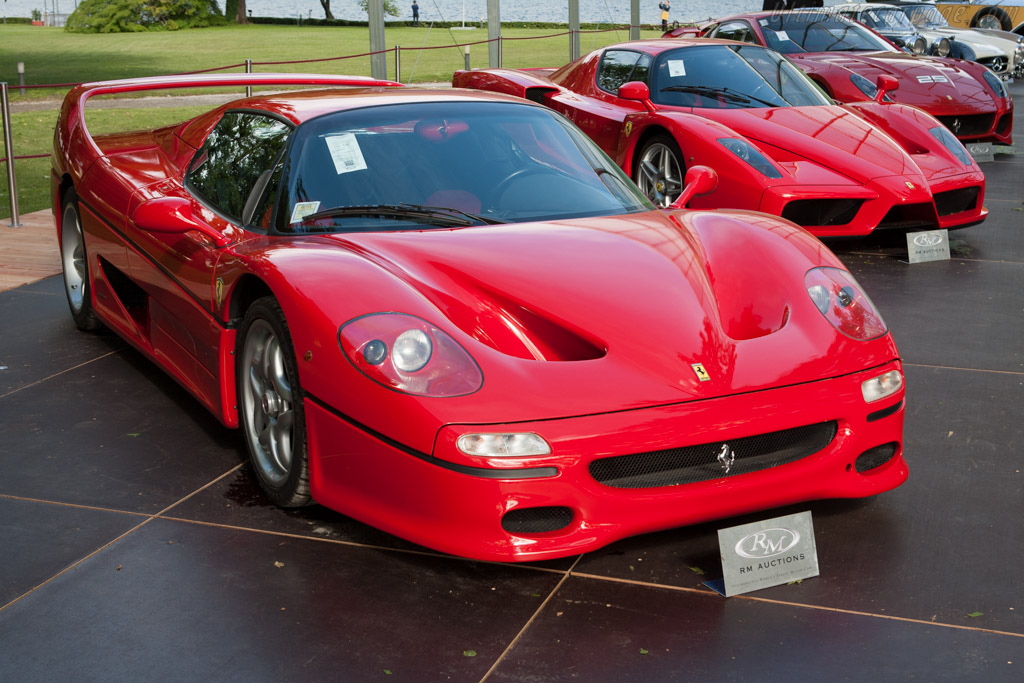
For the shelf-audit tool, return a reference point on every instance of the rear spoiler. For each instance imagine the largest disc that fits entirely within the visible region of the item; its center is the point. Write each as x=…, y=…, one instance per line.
x=73, y=110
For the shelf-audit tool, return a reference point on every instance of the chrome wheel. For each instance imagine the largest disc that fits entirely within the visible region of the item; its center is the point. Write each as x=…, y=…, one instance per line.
x=268, y=403
x=72, y=254
x=659, y=172
x=990, y=21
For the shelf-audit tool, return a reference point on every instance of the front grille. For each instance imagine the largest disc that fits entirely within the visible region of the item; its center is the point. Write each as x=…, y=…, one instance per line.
x=973, y=124
x=876, y=457
x=1004, y=124
x=956, y=201
x=909, y=217
x=810, y=212
x=536, y=520
x=997, y=64
x=704, y=462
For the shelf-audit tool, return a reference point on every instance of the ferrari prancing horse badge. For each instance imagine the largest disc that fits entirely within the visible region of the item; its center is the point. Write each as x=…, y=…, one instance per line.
x=701, y=373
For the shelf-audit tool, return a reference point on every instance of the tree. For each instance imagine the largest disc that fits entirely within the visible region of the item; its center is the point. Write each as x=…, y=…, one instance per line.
x=390, y=9
x=235, y=11
x=121, y=16
x=326, y=4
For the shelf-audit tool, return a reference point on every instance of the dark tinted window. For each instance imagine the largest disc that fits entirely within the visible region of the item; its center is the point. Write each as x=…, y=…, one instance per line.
x=241, y=147
x=735, y=30
x=622, y=66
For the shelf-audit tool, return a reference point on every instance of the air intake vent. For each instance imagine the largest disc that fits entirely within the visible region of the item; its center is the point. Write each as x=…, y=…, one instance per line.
x=536, y=520
x=876, y=457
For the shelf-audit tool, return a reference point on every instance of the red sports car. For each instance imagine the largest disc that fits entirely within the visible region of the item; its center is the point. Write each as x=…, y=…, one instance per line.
x=779, y=145
x=846, y=58
x=449, y=315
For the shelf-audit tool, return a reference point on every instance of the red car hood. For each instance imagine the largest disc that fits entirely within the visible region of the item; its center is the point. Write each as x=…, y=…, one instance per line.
x=831, y=136
x=928, y=82
x=602, y=314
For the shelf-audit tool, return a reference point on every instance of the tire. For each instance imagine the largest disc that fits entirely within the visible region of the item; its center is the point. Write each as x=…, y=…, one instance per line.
x=270, y=406
x=994, y=18
x=74, y=263
x=660, y=171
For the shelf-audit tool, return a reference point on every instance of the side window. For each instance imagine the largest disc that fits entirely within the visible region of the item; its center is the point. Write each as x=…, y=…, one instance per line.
x=240, y=149
x=735, y=30
x=616, y=66
x=642, y=69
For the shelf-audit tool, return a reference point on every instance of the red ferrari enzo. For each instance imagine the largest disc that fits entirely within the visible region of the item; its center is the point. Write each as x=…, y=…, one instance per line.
x=779, y=145
x=449, y=315
x=846, y=58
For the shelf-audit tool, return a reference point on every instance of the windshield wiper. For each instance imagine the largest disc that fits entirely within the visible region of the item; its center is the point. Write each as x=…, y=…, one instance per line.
x=714, y=91
x=438, y=215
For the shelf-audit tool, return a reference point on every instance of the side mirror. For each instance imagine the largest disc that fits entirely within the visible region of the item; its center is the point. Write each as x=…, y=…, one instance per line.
x=636, y=90
x=700, y=180
x=173, y=215
x=885, y=84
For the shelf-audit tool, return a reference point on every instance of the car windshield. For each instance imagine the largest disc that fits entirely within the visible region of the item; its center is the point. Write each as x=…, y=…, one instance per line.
x=731, y=77
x=886, y=18
x=799, y=32
x=925, y=16
x=443, y=165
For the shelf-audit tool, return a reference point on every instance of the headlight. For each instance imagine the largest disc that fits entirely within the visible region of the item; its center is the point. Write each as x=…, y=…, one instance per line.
x=409, y=354
x=949, y=141
x=995, y=83
x=877, y=388
x=746, y=151
x=942, y=47
x=919, y=46
x=503, y=445
x=864, y=85
x=840, y=299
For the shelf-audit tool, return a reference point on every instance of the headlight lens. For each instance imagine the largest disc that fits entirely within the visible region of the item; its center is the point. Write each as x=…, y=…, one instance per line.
x=877, y=388
x=942, y=47
x=503, y=445
x=949, y=141
x=410, y=355
x=919, y=46
x=844, y=304
x=746, y=151
x=864, y=85
x=995, y=83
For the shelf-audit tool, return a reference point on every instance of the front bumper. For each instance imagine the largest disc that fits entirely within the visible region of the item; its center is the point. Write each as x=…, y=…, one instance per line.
x=457, y=503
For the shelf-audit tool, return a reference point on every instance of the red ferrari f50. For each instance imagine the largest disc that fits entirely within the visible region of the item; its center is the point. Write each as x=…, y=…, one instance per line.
x=449, y=315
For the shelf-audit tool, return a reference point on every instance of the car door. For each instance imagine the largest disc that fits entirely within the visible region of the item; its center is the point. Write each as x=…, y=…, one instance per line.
x=601, y=113
x=176, y=269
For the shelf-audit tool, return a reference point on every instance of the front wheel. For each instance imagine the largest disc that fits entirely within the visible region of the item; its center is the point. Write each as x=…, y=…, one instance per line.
x=74, y=262
x=270, y=404
x=994, y=18
x=659, y=171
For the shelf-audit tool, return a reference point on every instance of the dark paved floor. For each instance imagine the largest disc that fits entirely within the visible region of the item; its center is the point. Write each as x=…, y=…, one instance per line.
x=137, y=548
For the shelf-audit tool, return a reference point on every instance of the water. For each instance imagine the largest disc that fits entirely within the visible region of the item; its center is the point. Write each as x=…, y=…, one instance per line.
x=473, y=11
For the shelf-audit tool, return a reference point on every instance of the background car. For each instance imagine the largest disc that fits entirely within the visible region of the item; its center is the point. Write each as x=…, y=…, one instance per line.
x=449, y=315
x=1002, y=15
x=779, y=145
x=846, y=59
x=1001, y=51
x=893, y=25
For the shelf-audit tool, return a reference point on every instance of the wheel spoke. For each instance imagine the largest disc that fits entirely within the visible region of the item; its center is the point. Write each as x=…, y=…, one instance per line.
x=648, y=171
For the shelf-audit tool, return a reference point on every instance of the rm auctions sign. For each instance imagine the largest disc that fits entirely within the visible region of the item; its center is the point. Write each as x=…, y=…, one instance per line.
x=768, y=553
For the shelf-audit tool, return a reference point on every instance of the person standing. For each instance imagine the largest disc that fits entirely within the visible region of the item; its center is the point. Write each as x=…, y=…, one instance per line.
x=415, y=13
x=664, y=7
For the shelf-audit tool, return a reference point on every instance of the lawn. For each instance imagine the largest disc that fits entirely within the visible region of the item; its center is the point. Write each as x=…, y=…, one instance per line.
x=52, y=56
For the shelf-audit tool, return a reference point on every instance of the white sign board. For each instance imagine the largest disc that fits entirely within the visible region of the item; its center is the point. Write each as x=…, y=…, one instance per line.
x=768, y=553
x=929, y=245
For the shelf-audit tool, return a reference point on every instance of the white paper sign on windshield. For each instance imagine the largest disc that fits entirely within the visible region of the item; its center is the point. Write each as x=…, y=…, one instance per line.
x=303, y=209
x=345, y=153
x=676, y=68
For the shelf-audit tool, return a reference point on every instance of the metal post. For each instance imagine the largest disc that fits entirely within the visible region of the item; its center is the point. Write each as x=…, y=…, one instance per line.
x=12, y=183
x=574, y=30
x=467, y=58
x=378, y=60
x=494, y=33
x=634, y=20
x=21, y=77
x=248, y=70
x=398, y=63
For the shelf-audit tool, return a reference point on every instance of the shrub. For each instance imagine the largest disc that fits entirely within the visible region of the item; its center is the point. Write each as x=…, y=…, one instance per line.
x=123, y=16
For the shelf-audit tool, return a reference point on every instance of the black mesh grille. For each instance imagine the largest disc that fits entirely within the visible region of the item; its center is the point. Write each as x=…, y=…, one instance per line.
x=536, y=520
x=1004, y=124
x=909, y=216
x=808, y=212
x=956, y=201
x=700, y=463
x=975, y=124
x=876, y=457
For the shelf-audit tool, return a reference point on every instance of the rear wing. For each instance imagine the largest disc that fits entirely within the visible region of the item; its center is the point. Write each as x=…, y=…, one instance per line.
x=73, y=133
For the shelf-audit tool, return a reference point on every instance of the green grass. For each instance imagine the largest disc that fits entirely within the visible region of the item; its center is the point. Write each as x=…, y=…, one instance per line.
x=52, y=56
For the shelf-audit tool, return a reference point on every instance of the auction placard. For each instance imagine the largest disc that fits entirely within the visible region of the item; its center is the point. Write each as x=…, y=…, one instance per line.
x=929, y=245
x=768, y=553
